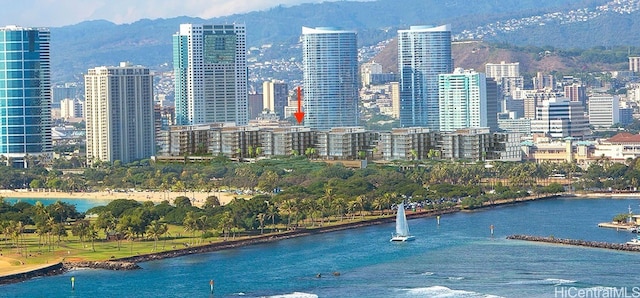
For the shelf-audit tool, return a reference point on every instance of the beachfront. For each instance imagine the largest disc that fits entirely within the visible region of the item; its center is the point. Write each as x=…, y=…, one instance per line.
x=197, y=198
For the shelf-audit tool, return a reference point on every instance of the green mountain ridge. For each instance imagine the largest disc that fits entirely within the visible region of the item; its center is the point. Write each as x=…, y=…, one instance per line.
x=76, y=48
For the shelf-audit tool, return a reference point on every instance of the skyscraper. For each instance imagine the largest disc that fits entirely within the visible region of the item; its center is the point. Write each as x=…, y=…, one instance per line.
x=330, y=77
x=119, y=113
x=275, y=96
x=463, y=100
x=604, y=111
x=501, y=70
x=210, y=68
x=25, y=95
x=424, y=52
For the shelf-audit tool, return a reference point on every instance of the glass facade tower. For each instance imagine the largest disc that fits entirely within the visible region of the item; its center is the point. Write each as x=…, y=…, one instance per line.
x=424, y=52
x=330, y=77
x=463, y=100
x=210, y=68
x=25, y=95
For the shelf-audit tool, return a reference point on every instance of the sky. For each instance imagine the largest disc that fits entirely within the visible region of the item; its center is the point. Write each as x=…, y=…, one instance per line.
x=58, y=13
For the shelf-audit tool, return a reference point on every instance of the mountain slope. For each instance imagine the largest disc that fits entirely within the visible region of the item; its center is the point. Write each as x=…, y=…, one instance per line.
x=76, y=48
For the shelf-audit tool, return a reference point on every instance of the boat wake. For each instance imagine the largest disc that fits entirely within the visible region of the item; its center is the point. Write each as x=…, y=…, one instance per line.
x=441, y=291
x=547, y=281
x=295, y=295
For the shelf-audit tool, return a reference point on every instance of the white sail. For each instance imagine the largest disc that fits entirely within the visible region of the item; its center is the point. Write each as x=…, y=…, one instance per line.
x=402, y=226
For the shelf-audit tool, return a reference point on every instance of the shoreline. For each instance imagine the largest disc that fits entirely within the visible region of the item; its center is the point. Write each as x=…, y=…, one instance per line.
x=197, y=198
x=254, y=240
x=612, y=195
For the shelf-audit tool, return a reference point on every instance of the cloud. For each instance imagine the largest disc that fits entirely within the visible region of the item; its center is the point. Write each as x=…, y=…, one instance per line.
x=56, y=13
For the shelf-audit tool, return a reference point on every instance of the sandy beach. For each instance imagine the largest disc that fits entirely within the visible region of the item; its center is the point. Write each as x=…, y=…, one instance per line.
x=197, y=198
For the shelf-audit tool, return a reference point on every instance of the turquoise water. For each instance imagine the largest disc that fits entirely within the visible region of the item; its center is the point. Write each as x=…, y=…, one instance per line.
x=82, y=205
x=458, y=258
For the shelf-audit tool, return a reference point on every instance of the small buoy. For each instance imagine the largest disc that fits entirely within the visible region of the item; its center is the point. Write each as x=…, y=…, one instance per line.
x=336, y=273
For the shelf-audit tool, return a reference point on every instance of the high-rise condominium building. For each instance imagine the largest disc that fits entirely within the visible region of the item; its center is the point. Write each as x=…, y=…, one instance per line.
x=25, y=95
x=275, y=96
x=394, y=88
x=576, y=92
x=463, y=100
x=71, y=108
x=330, y=77
x=210, y=68
x=634, y=64
x=604, y=111
x=502, y=69
x=119, y=113
x=424, y=52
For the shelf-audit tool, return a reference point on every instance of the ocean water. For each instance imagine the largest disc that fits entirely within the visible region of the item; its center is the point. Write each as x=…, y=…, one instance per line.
x=458, y=258
x=82, y=205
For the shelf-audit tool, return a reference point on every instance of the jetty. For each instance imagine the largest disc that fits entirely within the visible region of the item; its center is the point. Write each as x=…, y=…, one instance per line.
x=576, y=242
x=618, y=226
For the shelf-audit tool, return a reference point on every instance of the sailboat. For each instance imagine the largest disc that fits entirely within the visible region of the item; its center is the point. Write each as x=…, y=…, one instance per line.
x=402, y=227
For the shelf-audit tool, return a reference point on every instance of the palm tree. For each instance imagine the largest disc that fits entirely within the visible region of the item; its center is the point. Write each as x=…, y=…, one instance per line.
x=202, y=224
x=50, y=224
x=323, y=203
x=226, y=223
x=190, y=223
x=261, y=217
x=93, y=235
x=339, y=205
x=287, y=208
x=81, y=229
x=60, y=231
x=377, y=204
x=130, y=234
x=272, y=211
x=360, y=202
x=156, y=229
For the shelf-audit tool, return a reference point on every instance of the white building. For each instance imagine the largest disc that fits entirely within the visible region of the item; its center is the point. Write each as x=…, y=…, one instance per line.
x=559, y=117
x=604, y=111
x=462, y=100
x=119, y=113
x=502, y=69
x=367, y=69
x=210, y=68
x=71, y=108
x=275, y=96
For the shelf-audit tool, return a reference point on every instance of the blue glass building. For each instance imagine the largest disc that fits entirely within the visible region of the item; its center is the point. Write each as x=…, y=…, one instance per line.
x=330, y=77
x=25, y=95
x=424, y=52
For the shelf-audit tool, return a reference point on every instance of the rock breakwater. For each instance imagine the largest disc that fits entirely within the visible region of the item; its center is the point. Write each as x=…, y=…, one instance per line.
x=577, y=242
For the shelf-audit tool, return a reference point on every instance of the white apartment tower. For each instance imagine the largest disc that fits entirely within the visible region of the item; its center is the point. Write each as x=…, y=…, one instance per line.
x=210, y=68
x=463, y=100
x=634, y=64
x=119, y=113
x=70, y=108
x=604, y=111
x=275, y=96
x=502, y=70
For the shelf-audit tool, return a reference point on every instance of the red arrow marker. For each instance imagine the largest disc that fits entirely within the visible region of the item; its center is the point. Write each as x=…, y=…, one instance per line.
x=299, y=114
